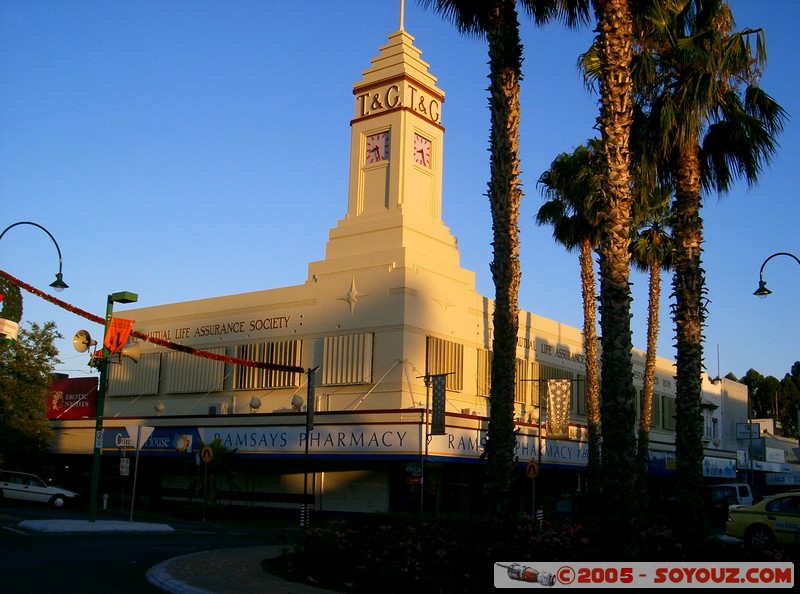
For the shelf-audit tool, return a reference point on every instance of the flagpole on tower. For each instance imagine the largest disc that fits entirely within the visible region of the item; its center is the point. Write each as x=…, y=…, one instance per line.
x=402, y=13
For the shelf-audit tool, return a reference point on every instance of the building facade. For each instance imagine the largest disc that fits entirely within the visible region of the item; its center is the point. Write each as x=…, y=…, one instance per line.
x=386, y=310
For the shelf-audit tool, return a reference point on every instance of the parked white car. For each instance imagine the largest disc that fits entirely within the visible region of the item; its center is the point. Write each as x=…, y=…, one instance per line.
x=29, y=487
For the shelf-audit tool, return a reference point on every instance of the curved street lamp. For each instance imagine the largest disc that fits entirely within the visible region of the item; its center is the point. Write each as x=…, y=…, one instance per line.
x=762, y=290
x=58, y=284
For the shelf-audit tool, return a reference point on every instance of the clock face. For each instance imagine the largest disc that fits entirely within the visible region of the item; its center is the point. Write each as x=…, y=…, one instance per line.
x=377, y=147
x=422, y=151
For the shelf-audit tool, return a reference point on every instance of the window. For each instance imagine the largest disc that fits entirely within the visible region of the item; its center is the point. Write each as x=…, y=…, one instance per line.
x=579, y=389
x=347, y=359
x=655, y=416
x=444, y=356
x=523, y=389
x=668, y=412
x=128, y=378
x=185, y=373
x=281, y=352
x=484, y=378
x=709, y=425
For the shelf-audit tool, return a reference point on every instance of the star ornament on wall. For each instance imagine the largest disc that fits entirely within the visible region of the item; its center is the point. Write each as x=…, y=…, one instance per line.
x=444, y=302
x=352, y=296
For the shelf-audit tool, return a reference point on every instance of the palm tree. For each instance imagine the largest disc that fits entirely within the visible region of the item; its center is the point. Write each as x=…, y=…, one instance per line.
x=614, y=52
x=498, y=22
x=651, y=250
x=710, y=123
x=572, y=184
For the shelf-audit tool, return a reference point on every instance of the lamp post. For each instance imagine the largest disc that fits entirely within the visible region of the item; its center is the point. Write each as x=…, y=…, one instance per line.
x=102, y=364
x=58, y=284
x=762, y=290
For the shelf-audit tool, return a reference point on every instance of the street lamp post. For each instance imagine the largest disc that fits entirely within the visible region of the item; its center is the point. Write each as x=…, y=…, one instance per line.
x=102, y=364
x=762, y=290
x=58, y=284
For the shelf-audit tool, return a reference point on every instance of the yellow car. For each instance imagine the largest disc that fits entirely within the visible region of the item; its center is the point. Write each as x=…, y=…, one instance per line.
x=776, y=519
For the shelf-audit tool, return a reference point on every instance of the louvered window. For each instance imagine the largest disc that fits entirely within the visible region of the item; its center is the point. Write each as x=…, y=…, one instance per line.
x=128, y=378
x=347, y=359
x=184, y=373
x=484, y=372
x=579, y=389
x=281, y=352
x=446, y=357
x=524, y=387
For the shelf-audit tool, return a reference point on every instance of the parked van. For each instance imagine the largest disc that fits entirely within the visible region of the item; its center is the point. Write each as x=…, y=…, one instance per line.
x=719, y=497
x=733, y=493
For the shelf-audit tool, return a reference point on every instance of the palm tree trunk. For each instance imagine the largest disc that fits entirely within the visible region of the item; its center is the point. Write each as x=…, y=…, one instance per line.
x=618, y=410
x=505, y=57
x=645, y=420
x=689, y=290
x=592, y=374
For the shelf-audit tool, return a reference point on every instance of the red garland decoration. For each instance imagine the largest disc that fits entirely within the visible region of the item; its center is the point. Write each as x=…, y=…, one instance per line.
x=142, y=336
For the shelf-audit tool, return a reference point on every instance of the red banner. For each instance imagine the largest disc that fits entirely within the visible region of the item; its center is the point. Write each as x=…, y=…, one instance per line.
x=117, y=334
x=72, y=398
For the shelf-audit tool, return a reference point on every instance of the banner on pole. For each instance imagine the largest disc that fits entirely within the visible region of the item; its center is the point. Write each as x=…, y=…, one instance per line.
x=439, y=399
x=117, y=334
x=559, y=392
x=310, y=401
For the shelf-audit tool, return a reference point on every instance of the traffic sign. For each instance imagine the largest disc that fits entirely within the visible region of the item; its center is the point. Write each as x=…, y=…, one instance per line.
x=532, y=469
x=206, y=454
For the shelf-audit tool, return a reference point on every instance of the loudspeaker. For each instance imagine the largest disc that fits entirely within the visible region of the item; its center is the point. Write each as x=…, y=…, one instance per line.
x=132, y=352
x=82, y=341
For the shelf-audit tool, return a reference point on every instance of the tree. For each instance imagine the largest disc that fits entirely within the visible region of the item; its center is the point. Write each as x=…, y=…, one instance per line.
x=217, y=469
x=651, y=249
x=497, y=21
x=790, y=400
x=614, y=45
x=709, y=123
x=26, y=366
x=572, y=185
x=10, y=301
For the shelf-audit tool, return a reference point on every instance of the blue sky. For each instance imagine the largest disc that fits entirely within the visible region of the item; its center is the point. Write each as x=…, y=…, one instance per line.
x=189, y=149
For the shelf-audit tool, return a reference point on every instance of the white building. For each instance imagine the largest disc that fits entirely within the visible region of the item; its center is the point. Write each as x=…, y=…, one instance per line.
x=388, y=306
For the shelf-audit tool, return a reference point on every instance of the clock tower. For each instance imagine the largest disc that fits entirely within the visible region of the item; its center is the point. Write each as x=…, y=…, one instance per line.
x=396, y=145
x=394, y=205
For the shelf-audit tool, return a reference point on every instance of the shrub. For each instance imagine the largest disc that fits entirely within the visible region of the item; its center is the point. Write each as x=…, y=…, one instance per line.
x=392, y=553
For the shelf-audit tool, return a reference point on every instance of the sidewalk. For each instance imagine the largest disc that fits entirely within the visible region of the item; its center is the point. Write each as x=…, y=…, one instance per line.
x=223, y=571
x=227, y=571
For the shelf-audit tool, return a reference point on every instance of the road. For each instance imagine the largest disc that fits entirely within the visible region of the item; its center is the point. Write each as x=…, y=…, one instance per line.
x=103, y=563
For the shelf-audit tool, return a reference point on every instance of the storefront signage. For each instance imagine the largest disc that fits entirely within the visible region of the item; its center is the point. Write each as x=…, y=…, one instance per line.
x=222, y=328
x=344, y=440
x=719, y=467
x=72, y=398
x=471, y=443
x=748, y=430
x=561, y=355
x=329, y=439
x=775, y=455
x=163, y=441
